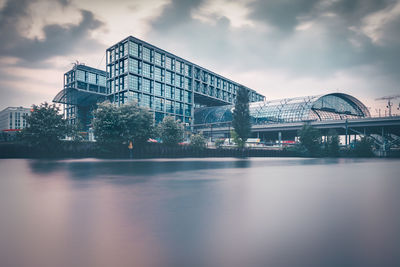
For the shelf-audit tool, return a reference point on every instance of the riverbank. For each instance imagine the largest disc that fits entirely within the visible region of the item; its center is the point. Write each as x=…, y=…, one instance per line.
x=151, y=150
x=69, y=149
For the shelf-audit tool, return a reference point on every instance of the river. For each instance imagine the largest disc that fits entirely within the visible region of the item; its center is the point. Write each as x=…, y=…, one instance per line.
x=200, y=212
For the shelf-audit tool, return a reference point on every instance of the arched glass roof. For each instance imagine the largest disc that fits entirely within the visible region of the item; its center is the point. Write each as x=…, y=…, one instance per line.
x=333, y=106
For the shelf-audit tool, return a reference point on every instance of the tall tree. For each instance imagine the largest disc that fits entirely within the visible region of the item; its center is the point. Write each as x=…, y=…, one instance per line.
x=241, y=116
x=310, y=139
x=45, y=126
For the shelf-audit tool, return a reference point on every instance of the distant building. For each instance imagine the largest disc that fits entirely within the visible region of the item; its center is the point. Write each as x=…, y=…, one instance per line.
x=12, y=118
x=156, y=79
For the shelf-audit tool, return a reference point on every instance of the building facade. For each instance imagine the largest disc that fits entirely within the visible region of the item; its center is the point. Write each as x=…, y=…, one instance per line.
x=137, y=71
x=83, y=88
x=13, y=118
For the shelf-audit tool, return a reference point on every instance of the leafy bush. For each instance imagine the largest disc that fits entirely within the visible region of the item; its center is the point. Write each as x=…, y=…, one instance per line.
x=170, y=131
x=198, y=141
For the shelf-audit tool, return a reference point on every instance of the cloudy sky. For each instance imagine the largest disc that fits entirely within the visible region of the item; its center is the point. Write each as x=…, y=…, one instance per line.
x=281, y=48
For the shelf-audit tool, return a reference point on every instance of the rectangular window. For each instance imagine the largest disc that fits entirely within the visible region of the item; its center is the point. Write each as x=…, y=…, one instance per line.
x=168, y=63
x=159, y=89
x=146, y=101
x=157, y=74
x=168, y=77
x=188, y=97
x=188, y=110
x=134, y=82
x=179, y=94
x=178, y=108
x=178, y=79
x=147, y=86
x=146, y=70
x=159, y=104
x=197, y=86
x=91, y=78
x=188, y=70
x=169, y=91
x=80, y=75
x=146, y=54
x=180, y=67
x=188, y=84
x=169, y=106
x=157, y=59
x=133, y=49
x=102, y=80
x=134, y=65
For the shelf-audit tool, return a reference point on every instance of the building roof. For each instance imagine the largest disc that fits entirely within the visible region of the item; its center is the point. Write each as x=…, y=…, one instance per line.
x=333, y=106
x=74, y=96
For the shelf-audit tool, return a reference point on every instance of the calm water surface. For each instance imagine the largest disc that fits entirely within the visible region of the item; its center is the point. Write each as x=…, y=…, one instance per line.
x=200, y=212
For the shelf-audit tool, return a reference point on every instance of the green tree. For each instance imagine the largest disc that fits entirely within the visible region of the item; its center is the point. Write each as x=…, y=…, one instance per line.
x=198, y=141
x=45, y=126
x=107, y=124
x=241, y=116
x=137, y=123
x=310, y=139
x=237, y=140
x=332, y=146
x=170, y=131
x=116, y=125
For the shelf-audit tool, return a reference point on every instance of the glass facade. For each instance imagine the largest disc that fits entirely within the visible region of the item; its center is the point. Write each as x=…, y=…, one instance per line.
x=164, y=82
x=334, y=106
x=83, y=87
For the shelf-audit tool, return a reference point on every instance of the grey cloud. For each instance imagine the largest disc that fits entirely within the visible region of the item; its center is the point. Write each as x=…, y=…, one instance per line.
x=322, y=50
x=176, y=13
x=281, y=13
x=58, y=39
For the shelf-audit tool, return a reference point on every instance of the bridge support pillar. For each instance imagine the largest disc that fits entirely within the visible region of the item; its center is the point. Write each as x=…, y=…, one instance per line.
x=280, y=138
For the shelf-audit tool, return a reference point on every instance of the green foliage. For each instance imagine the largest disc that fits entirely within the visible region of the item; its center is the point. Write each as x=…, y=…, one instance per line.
x=198, y=141
x=116, y=125
x=45, y=126
x=241, y=116
x=237, y=140
x=363, y=148
x=137, y=123
x=219, y=142
x=332, y=146
x=310, y=139
x=170, y=131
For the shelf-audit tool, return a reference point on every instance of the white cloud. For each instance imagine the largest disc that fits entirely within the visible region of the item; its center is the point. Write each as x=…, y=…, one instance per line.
x=212, y=10
x=374, y=25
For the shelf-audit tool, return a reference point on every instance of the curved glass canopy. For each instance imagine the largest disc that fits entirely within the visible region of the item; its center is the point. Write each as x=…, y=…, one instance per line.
x=335, y=106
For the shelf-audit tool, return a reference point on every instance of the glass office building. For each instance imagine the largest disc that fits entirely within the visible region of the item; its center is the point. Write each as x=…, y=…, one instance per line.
x=163, y=82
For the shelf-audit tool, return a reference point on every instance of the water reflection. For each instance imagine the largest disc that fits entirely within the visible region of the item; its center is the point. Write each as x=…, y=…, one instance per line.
x=200, y=212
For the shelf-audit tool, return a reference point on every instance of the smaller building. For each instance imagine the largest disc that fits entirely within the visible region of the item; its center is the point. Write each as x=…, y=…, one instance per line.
x=84, y=87
x=13, y=118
